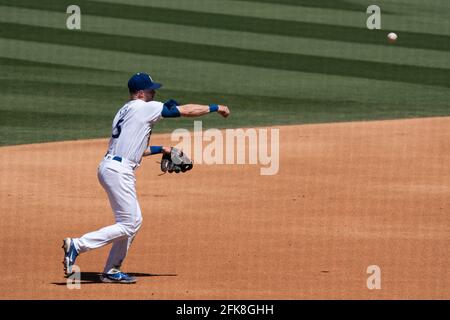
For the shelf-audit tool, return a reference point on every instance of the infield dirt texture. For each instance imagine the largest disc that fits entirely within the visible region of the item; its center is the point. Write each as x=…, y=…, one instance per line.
x=348, y=194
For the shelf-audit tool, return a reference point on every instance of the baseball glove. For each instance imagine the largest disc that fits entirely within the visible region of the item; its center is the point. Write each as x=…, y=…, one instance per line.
x=176, y=161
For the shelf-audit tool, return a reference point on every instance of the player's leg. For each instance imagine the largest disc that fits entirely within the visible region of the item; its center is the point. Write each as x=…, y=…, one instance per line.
x=119, y=184
x=120, y=247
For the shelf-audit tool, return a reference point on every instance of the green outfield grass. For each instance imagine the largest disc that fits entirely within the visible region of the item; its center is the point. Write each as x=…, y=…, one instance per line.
x=273, y=62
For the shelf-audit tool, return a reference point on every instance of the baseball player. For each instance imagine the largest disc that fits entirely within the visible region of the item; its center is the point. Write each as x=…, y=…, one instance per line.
x=131, y=130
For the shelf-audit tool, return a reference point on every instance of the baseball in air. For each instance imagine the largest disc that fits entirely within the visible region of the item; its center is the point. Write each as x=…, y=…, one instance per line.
x=392, y=37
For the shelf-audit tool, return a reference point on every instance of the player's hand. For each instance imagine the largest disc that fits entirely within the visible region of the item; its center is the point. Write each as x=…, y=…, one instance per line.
x=223, y=111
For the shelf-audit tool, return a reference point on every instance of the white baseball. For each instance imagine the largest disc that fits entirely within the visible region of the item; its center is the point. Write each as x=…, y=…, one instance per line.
x=392, y=37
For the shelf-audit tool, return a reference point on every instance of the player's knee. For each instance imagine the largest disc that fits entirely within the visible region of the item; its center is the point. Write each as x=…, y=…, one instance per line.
x=129, y=229
x=132, y=228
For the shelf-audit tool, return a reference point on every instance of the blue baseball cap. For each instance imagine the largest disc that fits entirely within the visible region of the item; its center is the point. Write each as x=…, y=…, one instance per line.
x=142, y=81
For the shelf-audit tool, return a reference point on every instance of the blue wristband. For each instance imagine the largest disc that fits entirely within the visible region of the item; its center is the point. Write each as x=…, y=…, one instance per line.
x=213, y=108
x=156, y=149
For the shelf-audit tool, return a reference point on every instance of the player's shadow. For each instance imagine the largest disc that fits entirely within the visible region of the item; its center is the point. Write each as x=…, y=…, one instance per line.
x=94, y=277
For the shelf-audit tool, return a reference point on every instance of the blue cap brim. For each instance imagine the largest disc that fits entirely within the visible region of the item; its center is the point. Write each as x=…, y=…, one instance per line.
x=155, y=85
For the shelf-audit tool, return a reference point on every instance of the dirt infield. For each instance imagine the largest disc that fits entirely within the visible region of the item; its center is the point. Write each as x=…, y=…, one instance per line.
x=347, y=196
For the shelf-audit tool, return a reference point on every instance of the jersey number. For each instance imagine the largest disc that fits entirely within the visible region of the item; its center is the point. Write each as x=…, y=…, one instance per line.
x=117, y=129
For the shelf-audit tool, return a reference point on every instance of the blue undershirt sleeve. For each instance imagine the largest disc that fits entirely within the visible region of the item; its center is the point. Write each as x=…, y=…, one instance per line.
x=170, y=109
x=156, y=149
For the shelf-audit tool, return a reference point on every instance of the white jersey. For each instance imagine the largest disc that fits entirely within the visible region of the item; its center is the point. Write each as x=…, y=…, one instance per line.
x=131, y=129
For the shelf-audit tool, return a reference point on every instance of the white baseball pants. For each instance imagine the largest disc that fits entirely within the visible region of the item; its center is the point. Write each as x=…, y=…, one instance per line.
x=119, y=182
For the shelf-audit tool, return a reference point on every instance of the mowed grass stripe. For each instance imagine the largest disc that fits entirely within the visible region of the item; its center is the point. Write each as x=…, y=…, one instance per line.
x=328, y=4
x=51, y=120
x=239, y=23
x=237, y=39
x=236, y=56
x=71, y=90
x=13, y=62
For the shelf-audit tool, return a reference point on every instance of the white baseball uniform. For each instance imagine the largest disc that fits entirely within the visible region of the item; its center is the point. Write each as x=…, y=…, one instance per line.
x=131, y=131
